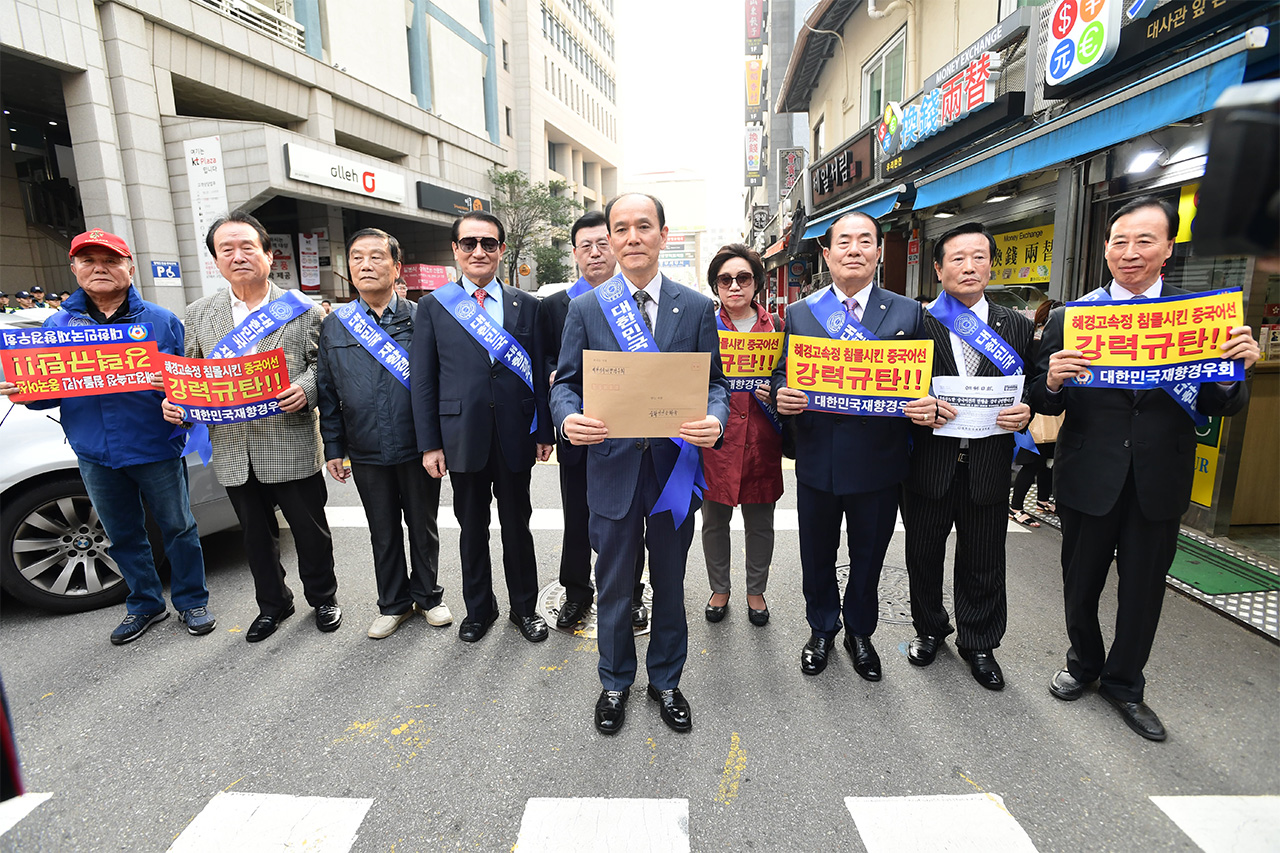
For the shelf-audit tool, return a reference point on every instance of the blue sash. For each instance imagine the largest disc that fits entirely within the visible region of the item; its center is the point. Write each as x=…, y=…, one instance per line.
x=1185, y=394
x=579, y=287
x=745, y=385
x=968, y=326
x=379, y=344
x=633, y=335
x=496, y=340
x=836, y=319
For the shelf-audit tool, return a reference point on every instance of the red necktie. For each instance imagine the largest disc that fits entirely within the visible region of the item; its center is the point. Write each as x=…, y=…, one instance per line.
x=481, y=293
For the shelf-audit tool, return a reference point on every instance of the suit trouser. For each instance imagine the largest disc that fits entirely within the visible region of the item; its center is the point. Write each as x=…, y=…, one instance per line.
x=302, y=502
x=979, y=577
x=473, y=492
x=575, y=544
x=869, y=518
x=1143, y=550
x=617, y=541
x=389, y=492
x=757, y=519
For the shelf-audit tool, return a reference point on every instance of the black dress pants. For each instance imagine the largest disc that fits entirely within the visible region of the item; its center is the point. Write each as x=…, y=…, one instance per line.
x=390, y=492
x=575, y=544
x=302, y=502
x=472, y=495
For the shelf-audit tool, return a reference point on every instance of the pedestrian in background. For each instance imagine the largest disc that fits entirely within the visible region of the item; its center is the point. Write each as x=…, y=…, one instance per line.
x=1037, y=467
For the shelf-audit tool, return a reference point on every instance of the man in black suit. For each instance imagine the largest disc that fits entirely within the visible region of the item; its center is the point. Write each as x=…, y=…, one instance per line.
x=963, y=481
x=594, y=256
x=1123, y=471
x=481, y=415
x=848, y=467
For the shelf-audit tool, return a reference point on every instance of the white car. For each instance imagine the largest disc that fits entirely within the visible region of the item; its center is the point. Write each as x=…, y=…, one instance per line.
x=53, y=550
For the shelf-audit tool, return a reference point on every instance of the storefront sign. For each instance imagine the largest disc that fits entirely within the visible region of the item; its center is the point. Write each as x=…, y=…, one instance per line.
x=755, y=27
x=444, y=200
x=207, y=184
x=309, y=262
x=759, y=218
x=902, y=128
x=1083, y=36
x=1003, y=111
x=859, y=377
x=790, y=168
x=339, y=173
x=755, y=164
x=1208, y=441
x=424, y=276
x=225, y=390
x=1023, y=257
x=842, y=171
x=284, y=270
x=754, y=75
x=78, y=361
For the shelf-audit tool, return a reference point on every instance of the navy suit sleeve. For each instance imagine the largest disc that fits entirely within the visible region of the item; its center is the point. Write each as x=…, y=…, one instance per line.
x=542, y=366
x=424, y=383
x=566, y=394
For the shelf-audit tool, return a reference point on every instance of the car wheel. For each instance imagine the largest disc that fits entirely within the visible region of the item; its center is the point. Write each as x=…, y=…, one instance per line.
x=55, y=551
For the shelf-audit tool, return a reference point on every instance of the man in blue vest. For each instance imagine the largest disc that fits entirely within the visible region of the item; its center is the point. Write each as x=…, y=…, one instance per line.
x=125, y=450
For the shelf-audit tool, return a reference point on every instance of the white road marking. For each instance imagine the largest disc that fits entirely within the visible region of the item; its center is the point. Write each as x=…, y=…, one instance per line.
x=1226, y=824
x=604, y=826
x=553, y=519
x=16, y=808
x=970, y=823
x=272, y=823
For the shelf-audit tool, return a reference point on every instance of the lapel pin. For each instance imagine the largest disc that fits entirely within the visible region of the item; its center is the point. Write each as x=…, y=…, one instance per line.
x=675, y=310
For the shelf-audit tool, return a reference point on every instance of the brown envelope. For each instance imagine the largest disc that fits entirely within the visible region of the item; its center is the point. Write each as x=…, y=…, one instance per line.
x=645, y=395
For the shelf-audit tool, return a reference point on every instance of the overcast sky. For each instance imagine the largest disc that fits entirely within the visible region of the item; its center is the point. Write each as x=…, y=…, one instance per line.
x=681, y=67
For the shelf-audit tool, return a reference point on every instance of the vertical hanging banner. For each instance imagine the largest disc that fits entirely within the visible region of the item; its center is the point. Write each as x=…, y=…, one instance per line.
x=755, y=71
x=284, y=269
x=755, y=27
x=790, y=169
x=207, y=184
x=755, y=162
x=309, y=262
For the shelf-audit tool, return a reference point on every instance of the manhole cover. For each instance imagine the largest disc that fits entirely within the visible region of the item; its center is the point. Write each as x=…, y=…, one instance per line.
x=551, y=599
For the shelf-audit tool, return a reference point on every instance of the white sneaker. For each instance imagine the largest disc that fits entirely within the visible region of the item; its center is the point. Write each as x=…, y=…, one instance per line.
x=438, y=616
x=385, y=626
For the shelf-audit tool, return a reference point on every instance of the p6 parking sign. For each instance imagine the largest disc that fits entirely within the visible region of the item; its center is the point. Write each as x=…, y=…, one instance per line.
x=1083, y=36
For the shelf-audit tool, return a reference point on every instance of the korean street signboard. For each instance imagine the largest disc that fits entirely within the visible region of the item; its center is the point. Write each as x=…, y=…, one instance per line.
x=754, y=78
x=1023, y=257
x=1083, y=36
x=972, y=88
x=755, y=156
x=444, y=200
x=759, y=219
x=1003, y=111
x=755, y=27
x=842, y=171
x=790, y=169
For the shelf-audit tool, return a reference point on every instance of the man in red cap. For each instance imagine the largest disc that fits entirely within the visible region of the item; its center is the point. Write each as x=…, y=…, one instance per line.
x=125, y=452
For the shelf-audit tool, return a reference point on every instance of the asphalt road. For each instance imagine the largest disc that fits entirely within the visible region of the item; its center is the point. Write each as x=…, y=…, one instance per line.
x=450, y=742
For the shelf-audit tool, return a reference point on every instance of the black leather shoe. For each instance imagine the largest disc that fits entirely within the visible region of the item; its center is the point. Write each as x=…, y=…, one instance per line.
x=265, y=625
x=923, y=649
x=673, y=707
x=759, y=618
x=533, y=628
x=472, y=632
x=611, y=711
x=639, y=616
x=1065, y=687
x=865, y=660
x=572, y=613
x=982, y=663
x=1137, y=715
x=328, y=617
x=813, y=657
x=715, y=614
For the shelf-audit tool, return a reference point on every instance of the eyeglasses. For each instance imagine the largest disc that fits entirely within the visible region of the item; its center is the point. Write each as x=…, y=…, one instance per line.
x=601, y=245
x=724, y=281
x=468, y=244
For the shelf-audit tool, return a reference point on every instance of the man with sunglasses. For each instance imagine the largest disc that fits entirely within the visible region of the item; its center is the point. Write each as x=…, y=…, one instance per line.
x=480, y=410
x=594, y=256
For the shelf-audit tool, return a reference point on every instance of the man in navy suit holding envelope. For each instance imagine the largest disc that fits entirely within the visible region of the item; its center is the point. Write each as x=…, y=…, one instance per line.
x=642, y=492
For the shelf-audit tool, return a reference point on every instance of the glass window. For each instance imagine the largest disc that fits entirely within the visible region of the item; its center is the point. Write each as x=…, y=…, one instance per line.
x=882, y=77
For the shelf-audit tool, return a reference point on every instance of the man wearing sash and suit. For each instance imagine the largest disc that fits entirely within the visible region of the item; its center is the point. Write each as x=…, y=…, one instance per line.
x=642, y=492
x=594, y=256
x=1123, y=472
x=847, y=466
x=273, y=461
x=963, y=481
x=366, y=415
x=480, y=409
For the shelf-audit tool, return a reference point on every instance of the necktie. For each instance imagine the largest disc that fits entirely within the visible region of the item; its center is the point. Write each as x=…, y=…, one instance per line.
x=972, y=359
x=481, y=293
x=855, y=310
x=642, y=300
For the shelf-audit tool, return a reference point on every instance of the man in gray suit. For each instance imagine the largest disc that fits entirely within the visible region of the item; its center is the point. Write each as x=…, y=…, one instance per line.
x=276, y=460
x=625, y=476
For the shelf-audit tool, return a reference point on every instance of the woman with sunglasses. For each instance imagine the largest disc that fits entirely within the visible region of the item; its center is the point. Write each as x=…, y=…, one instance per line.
x=746, y=470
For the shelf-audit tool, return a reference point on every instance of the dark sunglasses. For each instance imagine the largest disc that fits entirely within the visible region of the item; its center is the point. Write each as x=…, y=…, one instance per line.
x=468, y=244
x=724, y=280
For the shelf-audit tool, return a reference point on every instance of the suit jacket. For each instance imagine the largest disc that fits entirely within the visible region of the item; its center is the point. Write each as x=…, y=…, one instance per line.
x=460, y=399
x=281, y=447
x=557, y=307
x=1107, y=431
x=686, y=323
x=850, y=454
x=933, y=457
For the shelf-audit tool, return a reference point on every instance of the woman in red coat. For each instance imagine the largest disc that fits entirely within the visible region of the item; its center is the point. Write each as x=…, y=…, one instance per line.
x=747, y=469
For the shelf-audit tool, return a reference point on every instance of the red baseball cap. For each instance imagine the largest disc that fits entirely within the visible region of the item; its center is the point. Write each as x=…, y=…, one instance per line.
x=98, y=237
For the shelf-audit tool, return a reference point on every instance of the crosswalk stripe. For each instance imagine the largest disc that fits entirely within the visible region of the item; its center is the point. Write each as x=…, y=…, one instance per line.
x=553, y=519
x=604, y=825
x=1226, y=824
x=968, y=823
x=269, y=823
x=15, y=809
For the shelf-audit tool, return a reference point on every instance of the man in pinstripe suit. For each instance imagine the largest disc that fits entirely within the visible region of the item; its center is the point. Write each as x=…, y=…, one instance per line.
x=962, y=482
x=273, y=461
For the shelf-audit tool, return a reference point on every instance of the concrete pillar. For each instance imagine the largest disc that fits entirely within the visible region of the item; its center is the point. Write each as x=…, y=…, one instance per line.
x=319, y=124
